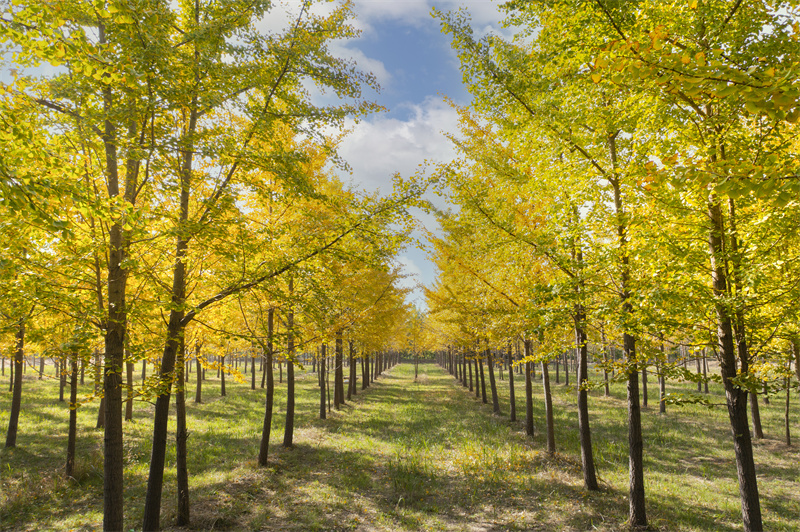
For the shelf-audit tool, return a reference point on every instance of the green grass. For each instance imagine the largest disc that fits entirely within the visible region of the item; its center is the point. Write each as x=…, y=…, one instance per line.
x=404, y=455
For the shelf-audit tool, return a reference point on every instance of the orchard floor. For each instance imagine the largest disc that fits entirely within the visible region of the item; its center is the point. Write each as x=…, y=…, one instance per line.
x=403, y=455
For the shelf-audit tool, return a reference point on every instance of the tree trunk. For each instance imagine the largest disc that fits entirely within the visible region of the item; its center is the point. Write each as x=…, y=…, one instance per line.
x=338, y=376
x=736, y=398
x=129, y=399
x=557, y=370
x=363, y=371
x=101, y=411
x=198, y=393
x=699, y=373
x=788, y=383
x=477, y=378
x=758, y=432
x=266, y=428
x=638, y=515
x=116, y=321
x=323, y=356
x=252, y=368
x=16, y=398
x=529, y=428
x=587, y=456
x=181, y=435
x=492, y=383
x=463, y=362
x=644, y=384
x=62, y=381
x=222, y=374
x=636, y=494
x=605, y=360
x=72, y=433
x=662, y=384
x=288, y=433
x=483, y=382
x=548, y=409
x=512, y=397
x=351, y=384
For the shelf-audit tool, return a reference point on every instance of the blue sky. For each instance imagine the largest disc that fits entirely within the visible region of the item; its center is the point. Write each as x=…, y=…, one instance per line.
x=402, y=44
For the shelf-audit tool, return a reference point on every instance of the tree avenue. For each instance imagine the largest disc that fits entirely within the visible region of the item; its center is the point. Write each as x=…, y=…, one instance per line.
x=623, y=204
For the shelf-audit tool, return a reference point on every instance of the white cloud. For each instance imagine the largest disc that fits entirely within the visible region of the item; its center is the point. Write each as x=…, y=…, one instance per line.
x=378, y=147
x=414, y=276
x=407, y=11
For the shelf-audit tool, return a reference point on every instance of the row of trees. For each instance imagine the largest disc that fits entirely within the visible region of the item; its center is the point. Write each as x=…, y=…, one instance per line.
x=170, y=184
x=629, y=173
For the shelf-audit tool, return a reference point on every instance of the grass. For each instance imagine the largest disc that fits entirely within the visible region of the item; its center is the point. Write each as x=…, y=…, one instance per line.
x=405, y=455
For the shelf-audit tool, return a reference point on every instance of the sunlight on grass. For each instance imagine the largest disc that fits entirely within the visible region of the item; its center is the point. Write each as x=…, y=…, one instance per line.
x=404, y=455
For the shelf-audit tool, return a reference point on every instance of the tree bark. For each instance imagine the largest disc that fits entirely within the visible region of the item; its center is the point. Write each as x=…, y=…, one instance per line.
x=511, y=395
x=468, y=363
x=72, y=433
x=548, y=409
x=788, y=383
x=101, y=411
x=323, y=356
x=129, y=399
x=587, y=456
x=338, y=376
x=492, y=383
x=198, y=393
x=758, y=432
x=222, y=374
x=16, y=398
x=736, y=398
x=662, y=385
x=62, y=382
x=288, y=433
x=483, y=381
x=364, y=371
x=605, y=360
x=529, y=428
x=351, y=386
x=252, y=368
x=638, y=515
x=266, y=429
x=181, y=435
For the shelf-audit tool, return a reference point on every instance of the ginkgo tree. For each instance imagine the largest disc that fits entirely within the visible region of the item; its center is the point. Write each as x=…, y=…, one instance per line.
x=677, y=111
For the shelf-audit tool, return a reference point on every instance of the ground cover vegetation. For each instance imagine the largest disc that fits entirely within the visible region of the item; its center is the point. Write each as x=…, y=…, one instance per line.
x=404, y=454
x=624, y=206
